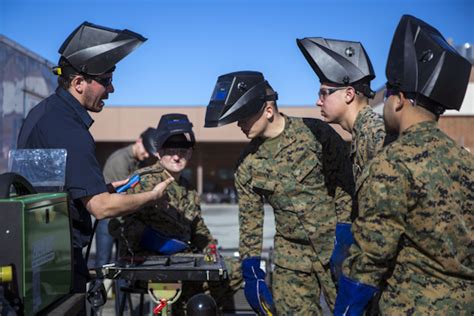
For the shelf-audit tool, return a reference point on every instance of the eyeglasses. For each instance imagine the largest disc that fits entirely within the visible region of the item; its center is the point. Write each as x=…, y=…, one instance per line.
x=324, y=92
x=104, y=81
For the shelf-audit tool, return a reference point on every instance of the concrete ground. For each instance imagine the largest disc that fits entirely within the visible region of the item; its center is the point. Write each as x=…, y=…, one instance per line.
x=222, y=221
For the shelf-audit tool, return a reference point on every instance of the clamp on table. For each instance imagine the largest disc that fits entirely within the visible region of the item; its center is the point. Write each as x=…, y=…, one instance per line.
x=169, y=293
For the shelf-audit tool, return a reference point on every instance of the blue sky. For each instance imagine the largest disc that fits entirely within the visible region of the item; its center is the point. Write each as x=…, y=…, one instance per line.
x=190, y=43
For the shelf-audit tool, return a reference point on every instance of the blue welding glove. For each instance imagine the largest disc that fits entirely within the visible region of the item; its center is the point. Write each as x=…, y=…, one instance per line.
x=133, y=181
x=352, y=297
x=154, y=241
x=343, y=242
x=256, y=291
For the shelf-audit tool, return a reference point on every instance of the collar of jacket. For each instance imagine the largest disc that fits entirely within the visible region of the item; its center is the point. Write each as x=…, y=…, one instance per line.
x=420, y=127
x=71, y=101
x=361, y=119
x=287, y=137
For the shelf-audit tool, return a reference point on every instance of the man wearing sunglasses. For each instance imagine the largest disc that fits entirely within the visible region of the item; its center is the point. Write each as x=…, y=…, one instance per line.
x=175, y=225
x=413, y=235
x=345, y=71
x=88, y=58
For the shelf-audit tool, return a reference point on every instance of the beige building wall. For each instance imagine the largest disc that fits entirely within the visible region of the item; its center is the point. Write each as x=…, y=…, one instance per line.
x=124, y=124
x=218, y=148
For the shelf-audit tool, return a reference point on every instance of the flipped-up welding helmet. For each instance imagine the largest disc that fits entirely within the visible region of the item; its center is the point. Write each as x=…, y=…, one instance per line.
x=342, y=63
x=236, y=96
x=149, y=137
x=94, y=50
x=176, y=131
x=423, y=65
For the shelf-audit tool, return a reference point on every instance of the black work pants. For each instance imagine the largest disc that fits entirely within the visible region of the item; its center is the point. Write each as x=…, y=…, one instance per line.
x=81, y=277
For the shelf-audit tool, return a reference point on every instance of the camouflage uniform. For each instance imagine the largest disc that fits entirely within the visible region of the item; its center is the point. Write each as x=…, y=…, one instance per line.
x=368, y=136
x=414, y=228
x=178, y=215
x=288, y=173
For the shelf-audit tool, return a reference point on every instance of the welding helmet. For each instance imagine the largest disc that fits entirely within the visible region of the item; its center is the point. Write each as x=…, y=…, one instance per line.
x=423, y=65
x=94, y=50
x=342, y=63
x=236, y=96
x=149, y=138
x=175, y=130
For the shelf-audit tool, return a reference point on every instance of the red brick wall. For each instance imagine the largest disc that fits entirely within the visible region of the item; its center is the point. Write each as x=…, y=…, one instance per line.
x=459, y=128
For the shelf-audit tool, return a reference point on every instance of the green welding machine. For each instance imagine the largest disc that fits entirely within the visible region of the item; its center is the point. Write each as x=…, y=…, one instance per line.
x=36, y=266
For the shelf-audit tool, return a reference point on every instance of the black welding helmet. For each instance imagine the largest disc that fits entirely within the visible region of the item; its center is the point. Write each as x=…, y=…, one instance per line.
x=175, y=130
x=94, y=50
x=342, y=63
x=236, y=96
x=423, y=65
x=149, y=137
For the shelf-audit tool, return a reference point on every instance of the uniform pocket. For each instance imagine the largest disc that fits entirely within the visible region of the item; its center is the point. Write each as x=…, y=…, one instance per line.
x=304, y=164
x=262, y=185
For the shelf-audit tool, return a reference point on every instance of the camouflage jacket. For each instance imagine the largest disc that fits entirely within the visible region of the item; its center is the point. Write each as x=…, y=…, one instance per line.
x=415, y=224
x=178, y=215
x=292, y=181
x=368, y=136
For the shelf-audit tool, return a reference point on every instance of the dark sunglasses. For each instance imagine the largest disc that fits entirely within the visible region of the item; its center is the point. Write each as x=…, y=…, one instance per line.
x=104, y=81
x=180, y=151
x=324, y=92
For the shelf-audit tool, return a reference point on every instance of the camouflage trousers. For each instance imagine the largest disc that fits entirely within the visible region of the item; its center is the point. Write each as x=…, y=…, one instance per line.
x=299, y=293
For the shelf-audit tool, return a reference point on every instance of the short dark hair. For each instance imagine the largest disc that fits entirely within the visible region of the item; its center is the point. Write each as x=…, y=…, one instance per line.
x=68, y=73
x=269, y=91
x=65, y=78
x=65, y=81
